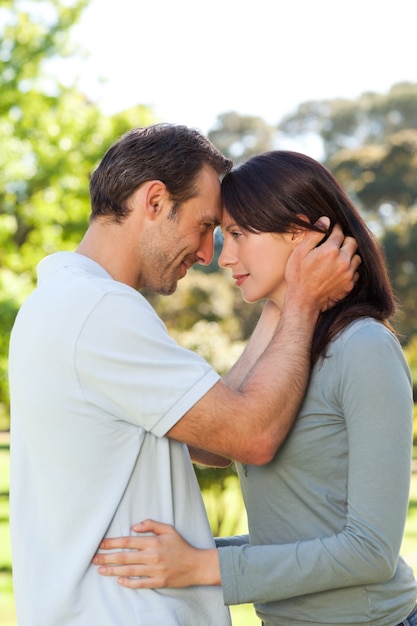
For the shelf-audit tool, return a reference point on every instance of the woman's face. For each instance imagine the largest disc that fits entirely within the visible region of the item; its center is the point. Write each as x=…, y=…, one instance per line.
x=257, y=260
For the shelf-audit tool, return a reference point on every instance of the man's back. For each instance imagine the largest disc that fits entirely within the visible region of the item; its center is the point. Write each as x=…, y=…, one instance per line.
x=88, y=457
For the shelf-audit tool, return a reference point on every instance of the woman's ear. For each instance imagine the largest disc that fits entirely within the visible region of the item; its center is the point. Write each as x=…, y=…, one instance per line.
x=298, y=235
x=298, y=232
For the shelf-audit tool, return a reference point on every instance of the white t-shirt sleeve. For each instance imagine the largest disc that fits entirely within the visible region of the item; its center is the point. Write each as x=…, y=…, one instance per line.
x=129, y=367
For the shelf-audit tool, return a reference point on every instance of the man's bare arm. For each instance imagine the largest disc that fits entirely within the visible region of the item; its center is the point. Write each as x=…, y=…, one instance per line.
x=257, y=343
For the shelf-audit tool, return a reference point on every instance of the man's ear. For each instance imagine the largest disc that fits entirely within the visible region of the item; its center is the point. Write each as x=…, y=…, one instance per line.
x=156, y=198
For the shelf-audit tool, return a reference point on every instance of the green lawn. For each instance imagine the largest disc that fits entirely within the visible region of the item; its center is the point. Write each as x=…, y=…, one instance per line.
x=241, y=615
x=6, y=594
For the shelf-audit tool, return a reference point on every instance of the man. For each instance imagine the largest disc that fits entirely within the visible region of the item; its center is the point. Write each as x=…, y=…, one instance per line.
x=103, y=400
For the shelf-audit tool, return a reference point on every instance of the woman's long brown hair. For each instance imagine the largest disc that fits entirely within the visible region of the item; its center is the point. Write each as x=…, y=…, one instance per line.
x=272, y=191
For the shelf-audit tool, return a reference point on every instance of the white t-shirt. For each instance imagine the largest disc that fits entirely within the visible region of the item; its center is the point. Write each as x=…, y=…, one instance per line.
x=95, y=384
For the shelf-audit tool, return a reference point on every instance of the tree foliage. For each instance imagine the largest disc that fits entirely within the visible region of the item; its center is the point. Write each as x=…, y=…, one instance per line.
x=400, y=244
x=241, y=136
x=51, y=137
x=342, y=123
x=370, y=145
x=382, y=178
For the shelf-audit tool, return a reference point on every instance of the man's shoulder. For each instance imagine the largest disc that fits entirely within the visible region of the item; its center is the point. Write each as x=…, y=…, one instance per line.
x=71, y=262
x=69, y=275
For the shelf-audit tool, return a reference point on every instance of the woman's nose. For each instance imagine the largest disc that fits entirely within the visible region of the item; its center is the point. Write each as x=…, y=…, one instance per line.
x=226, y=258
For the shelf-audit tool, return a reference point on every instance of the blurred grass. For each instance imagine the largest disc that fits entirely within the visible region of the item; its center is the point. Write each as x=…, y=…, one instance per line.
x=7, y=611
x=243, y=615
x=234, y=523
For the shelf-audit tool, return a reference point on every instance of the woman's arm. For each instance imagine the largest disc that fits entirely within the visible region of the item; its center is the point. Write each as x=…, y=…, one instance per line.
x=209, y=459
x=259, y=340
x=164, y=559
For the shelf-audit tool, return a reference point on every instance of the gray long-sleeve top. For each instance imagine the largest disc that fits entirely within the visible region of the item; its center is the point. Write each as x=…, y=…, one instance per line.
x=326, y=517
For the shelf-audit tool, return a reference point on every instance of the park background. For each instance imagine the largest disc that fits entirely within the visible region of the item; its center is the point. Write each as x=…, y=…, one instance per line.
x=337, y=80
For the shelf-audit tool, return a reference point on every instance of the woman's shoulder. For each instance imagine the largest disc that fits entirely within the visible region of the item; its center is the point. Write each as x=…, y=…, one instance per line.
x=364, y=352
x=366, y=328
x=367, y=338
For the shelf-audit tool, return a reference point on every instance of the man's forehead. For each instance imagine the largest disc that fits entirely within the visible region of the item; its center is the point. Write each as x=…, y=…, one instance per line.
x=209, y=211
x=203, y=211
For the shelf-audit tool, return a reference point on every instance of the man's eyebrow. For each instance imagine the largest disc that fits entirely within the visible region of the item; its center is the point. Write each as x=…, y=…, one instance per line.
x=210, y=220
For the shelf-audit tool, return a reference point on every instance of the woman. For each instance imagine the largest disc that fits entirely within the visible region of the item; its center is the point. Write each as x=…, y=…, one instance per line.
x=326, y=516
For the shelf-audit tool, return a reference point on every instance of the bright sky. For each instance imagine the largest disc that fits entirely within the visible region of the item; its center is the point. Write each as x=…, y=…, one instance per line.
x=192, y=60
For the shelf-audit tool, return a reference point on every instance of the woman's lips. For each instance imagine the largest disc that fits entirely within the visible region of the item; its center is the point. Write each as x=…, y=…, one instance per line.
x=240, y=279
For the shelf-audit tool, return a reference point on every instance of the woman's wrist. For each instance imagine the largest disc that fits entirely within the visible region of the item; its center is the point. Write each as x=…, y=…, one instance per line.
x=209, y=567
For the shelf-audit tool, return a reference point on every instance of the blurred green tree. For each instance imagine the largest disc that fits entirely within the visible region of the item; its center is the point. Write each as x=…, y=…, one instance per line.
x=241, y=136
x=344, y=124
x=51, y=137
x=370, y=145
x=381, y=178
x=400, y=244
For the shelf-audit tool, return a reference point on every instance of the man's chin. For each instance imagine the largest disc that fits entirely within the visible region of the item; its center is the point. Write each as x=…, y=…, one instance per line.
x=167, y=290
x=162, y=290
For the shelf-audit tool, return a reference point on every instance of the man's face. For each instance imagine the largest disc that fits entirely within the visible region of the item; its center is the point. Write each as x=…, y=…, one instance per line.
x=184, y=239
